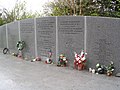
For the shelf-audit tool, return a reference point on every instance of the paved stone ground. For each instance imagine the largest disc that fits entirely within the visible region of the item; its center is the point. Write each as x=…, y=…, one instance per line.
x=17, y=74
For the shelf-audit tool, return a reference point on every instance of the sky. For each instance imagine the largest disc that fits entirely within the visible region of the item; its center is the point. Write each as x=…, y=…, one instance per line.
x=32, y=5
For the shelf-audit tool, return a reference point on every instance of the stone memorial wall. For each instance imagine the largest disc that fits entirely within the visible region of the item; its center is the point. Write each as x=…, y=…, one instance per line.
x=13, y=36
x=27, y=34
x=100, y=37
x=3, y=43
x=70, y=36
x=103, y=41
x=46, y=37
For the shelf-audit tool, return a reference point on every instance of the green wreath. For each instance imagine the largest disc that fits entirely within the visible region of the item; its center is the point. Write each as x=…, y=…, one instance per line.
x=20, y=45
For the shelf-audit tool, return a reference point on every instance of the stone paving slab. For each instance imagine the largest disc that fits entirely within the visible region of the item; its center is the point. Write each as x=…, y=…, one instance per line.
x=18, y=74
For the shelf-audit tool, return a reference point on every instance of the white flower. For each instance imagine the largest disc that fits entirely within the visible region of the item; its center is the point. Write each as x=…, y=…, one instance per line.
x=99, y=69
x=93, y=71
x=83, y=58
x=34, y=60
x=64, y=58
x=90, y=69
x=79, y=61
x=112, y=69
x=78, y=58
x=47, y=60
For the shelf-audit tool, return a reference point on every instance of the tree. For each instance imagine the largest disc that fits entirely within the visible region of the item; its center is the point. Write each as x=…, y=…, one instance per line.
x=59, y=8
x=19, y=12
x=66, y=7
x=56, y=9
x=108, y=8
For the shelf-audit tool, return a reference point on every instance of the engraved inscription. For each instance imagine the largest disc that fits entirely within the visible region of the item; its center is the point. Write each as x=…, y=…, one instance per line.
x=103, y=51
x=46, y=36
x=27, y=27
x=70, y=27
x=70, y=36
x=27, y=33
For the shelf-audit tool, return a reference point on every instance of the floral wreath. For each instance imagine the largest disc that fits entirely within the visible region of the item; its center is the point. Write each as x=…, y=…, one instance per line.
x=20, y=45
x=5, y=50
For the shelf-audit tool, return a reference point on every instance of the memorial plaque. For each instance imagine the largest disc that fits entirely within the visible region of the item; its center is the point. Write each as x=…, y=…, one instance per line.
x=27, y=34
x=3, y=37
x=70, y=36
x=103, y=41
x=13, y=36
x=46, y=37
x=102, y=38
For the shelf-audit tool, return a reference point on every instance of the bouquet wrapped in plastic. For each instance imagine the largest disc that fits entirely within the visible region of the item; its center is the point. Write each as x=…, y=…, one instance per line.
x=80, y=60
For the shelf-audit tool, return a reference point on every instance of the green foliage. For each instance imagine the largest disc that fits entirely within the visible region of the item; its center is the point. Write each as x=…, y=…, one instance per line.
x=1, y=21
x=58, y=8
x=107, y=8
x=19, y=12
x=55, y=9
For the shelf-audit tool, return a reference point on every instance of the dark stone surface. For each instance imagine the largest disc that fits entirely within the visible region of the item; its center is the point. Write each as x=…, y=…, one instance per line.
x=70, y=36
x=3, y=37
x=102, y=45
x=46, y=36
x=103, y=41
x=13, y=36
x=27, y=34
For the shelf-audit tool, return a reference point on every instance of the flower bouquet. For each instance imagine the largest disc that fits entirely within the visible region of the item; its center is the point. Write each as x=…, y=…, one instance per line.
x=80, y=60
x=62, y=61
x=49, y=60
x=36, y=59
x=110, y=68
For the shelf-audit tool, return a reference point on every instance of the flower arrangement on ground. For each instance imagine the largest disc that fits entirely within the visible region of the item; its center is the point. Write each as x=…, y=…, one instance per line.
x=110, y=68
x=49, y=58
x=62, y=61
x=36, y=59
x=80, y=60
x=20, y=46
x=102, y=69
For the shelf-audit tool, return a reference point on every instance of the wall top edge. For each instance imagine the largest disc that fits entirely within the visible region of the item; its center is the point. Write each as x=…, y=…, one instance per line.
x=65, y=16
x=81, y=16
x=103, y=17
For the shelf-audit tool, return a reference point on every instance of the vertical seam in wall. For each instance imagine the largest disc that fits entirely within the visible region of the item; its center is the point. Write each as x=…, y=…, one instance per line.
x=56, y=38
x=7, y=36
x=85, y=33
x=36, y=54
x=19, y=30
